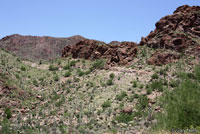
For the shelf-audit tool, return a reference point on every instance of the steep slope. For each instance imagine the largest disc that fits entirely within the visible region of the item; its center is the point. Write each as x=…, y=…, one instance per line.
x=37, y=48
x=179, y=32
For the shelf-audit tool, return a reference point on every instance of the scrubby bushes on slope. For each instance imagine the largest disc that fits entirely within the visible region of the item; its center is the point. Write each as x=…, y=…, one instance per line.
x=181, y=106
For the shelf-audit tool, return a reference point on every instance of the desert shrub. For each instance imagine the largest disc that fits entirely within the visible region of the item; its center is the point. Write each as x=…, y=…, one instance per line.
x=23, y=68
x=134, y=84
x=141, y=86
x=88, y=72
x=131, y=98
x=191, y=76
x=124, y=117
x=8, y=113
x=80, y=73
x=112, y=75
x=98, y=64
x=66, y=67
x=109, y=82
x=197, y=73
x=121, y=96
x=181, y=105
x=35, y=83
x=53, y=68
x=6, y=127
x=40, y=62
x=174, y=83
x=67, y=74
x=136, y=96
x=72, y=63
x=119, y=78
x=149, y=91
x=143, y=101
x=155, y=76
x=56, y=78
x=157, y=85
x=106, y=104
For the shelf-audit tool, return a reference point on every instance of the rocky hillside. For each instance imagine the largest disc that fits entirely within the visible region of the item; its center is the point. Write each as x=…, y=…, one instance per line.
x=76, y=94
x=178, y=32
x=120, y=53
x=37, y=48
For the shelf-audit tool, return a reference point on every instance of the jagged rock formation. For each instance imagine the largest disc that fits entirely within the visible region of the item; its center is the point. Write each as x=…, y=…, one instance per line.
x=37, y=48
x=179, y=31
x=121, y=54
x=159, y=58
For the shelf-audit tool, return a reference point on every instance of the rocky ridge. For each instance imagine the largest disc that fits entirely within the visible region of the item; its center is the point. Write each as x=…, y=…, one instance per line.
x=121, y=53
x=178, y=32
x=37, y=48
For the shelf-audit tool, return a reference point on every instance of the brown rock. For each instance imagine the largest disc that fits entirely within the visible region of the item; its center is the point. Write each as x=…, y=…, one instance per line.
x=116, y=53
x=162, y=58
x=179, y=31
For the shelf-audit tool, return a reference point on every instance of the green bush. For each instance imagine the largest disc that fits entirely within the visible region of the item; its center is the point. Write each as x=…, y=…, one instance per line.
x=80, y=73
x=66, y=67
x=174, y=83
x=109, y=82
x=98, y=64
x=53, y=68
x=124, y=117
x=67, y=74
x=134, y=84
x=112, y=75
x=121, y=96
x=8, y=113
x=155, y=76
x=72, y=63
x=149, y=91
x=56, y=78
x=136, y=96
x=23, y=68
x=181, y=105
x=157, y=85
x=106, y=104
x=143, y=101
x=35, y=83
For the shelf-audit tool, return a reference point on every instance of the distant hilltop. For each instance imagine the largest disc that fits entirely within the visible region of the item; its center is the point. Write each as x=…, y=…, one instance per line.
x=179, y=32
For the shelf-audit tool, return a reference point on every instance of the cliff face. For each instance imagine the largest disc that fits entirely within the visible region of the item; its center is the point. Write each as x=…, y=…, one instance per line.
x=37, y=48
x=177, y=31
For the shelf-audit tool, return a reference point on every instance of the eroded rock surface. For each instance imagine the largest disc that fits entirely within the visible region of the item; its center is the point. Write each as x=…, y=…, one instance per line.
x=178, y=31
x=120, y=54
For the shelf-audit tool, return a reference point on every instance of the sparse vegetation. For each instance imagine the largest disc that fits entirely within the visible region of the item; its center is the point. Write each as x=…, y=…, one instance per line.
x=98, y=64
x=53, y=68
x=121, y=95
x=106, y=104
x=42, y=97
x=124, y=117
x=67, y=74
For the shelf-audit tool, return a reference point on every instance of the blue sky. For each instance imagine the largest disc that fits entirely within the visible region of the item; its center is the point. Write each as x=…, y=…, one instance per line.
x=105, y=20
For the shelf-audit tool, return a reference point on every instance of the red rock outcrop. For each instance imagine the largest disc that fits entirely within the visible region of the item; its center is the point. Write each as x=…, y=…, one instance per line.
x=178, y=31
x=37, y=48
x=121, y=54
x=159, y=58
